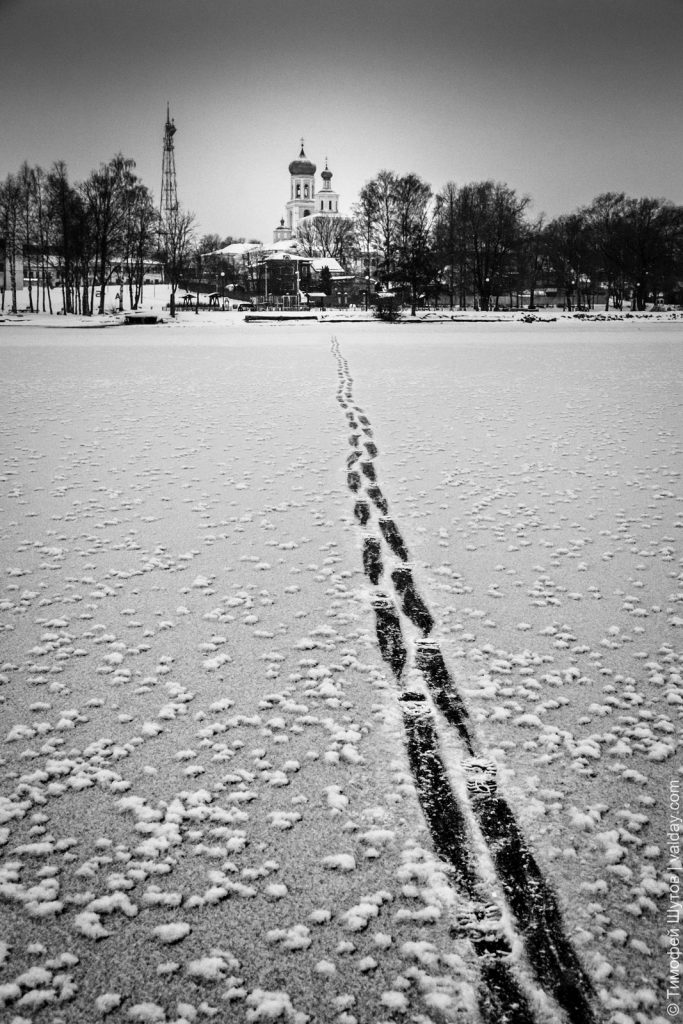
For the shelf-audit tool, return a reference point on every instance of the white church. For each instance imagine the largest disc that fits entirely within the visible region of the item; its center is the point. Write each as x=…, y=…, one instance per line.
x=304, y=200
x=272, y=263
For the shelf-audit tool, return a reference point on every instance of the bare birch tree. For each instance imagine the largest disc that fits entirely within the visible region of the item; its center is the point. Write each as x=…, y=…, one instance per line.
x=177, y=248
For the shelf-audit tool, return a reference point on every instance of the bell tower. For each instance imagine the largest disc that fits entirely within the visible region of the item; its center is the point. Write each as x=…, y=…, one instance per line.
x=326, y=200
x=301, y=202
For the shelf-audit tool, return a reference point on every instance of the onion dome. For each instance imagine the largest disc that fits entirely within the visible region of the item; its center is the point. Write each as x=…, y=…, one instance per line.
x=326, y=175
x=303, y=165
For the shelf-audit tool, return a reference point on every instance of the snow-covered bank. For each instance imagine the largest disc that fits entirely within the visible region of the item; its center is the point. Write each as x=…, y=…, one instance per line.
x=156, y=302
x=207, y=801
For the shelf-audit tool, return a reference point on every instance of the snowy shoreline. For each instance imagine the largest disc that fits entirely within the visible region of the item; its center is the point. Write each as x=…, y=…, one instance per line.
x=188, y=318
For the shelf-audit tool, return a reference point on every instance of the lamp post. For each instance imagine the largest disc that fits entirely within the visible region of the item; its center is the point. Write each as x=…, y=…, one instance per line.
x=199, y=275
x=282, y=278
x=222, y=287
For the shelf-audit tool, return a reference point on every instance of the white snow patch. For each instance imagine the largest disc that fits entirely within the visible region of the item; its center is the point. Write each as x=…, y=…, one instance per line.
x=170, y=933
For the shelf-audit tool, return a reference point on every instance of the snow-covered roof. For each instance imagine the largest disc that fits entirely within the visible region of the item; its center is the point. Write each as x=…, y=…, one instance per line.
x=235, y=249
x=332, y=265
x=285, y=245
x=285, y=257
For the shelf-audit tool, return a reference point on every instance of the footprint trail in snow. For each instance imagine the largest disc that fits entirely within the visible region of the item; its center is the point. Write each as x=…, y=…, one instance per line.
x=469, y=821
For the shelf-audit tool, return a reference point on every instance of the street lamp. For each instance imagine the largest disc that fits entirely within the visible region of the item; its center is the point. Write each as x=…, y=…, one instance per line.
x=199, y=276
x=222, y=287
x=282, y=285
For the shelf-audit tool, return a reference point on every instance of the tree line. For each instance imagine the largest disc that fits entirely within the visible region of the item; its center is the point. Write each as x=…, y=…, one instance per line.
x=477, y=241
x=81, y=237
x=473, y=242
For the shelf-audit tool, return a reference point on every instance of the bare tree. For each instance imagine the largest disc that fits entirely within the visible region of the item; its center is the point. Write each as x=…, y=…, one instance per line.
x=324, y=236
x=492, y=223
x=27, y=185
x=42, y=236
x=366, y=240
x=104, y=196
x=178, y=248
x=448, y=237
x=412, y=231
x=63, y=206
x=569, y=254
x=377, y=201
x=531, y=259
x=208, y=244
x=653, y=230
x=604, y=227
x=140, y=230
x=11, y=226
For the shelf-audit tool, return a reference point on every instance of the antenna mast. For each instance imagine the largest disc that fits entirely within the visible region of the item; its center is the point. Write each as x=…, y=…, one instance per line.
x=169, y=187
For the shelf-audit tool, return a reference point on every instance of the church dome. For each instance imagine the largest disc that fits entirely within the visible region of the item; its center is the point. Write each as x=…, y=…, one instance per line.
x=303, y=165
x=326, y=174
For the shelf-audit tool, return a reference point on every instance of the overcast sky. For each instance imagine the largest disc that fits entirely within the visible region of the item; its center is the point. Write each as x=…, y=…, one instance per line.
x=561, y=99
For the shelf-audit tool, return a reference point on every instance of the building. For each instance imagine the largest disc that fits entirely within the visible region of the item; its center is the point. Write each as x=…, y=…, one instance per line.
x=304, y=200
x=6, y=268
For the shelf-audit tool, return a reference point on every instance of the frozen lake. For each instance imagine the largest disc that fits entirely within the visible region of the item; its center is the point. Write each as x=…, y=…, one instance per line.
x=341, y=672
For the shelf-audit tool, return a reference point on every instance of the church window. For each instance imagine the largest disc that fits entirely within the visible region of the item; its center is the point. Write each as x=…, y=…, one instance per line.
x=298, y=191
x=307, y=213
x=330, y=204
x=305, y=191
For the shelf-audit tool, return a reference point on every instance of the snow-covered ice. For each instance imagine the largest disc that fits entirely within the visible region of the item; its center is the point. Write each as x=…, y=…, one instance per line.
x=214, y=799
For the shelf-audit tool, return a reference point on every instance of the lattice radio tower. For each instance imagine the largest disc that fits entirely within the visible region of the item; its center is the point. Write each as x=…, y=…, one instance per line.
x=169, y=186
